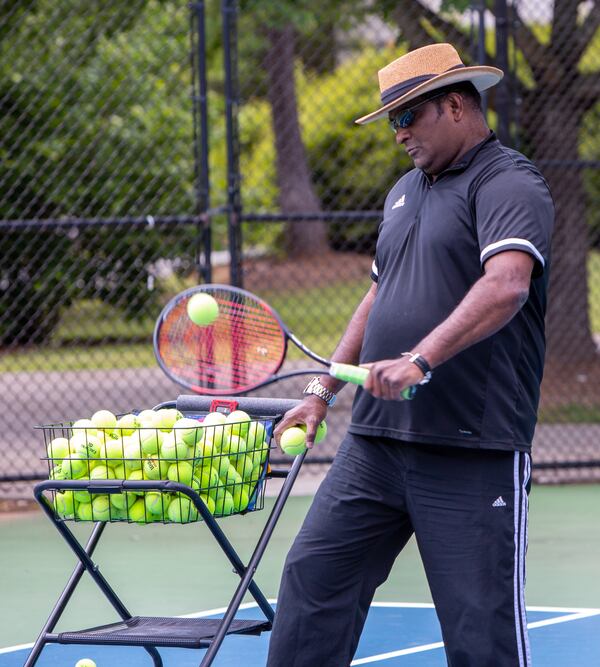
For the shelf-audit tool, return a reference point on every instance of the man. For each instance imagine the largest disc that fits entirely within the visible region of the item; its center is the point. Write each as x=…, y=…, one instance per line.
x=457, y=309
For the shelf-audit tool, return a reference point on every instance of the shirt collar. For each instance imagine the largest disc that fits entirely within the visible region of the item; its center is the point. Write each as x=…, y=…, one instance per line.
x=466, y=159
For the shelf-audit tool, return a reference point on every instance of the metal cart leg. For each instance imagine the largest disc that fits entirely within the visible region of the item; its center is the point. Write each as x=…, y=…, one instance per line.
x=246, y=581
x=85, y=563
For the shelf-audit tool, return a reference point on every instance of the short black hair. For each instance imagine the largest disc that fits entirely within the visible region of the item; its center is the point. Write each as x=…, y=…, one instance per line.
x=467, y=90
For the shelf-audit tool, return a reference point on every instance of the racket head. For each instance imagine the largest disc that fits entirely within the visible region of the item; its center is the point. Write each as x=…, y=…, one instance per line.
x=241, y=350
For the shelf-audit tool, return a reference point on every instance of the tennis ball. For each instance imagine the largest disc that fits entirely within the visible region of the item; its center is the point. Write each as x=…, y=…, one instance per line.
x=166, y=418
x=64, y=504
x=256, y=435
x=85, y=662
x=188, y=430
x=122, y=501
x=224, y=504
x=204, y=449
x=84, y=512
x=321, y=433
x=202, y=309
x=135, y=476
x=208, y=478
x=147, y=418
x=58, y=448
x=114, y=452
x=181, y=510
x=151, y=440
x=87, y=447
x=102, y=472
x=137, y=512
x=244, y=465
x=240, y=498
x=133, y=457
x=155, y=468
x=57, y=472
x=120, y=472
x=221, y=465
x=293, y=441
x=235, y=446
x=209, y=502
x=127, y=424
x=240, y=422
x=232, y=476
x=101, y=508
x=173, y=449
x=214, y=425
x=157, y=503
x=83, y=426
x=181, y=472
x=104, y=420
x=74, y=467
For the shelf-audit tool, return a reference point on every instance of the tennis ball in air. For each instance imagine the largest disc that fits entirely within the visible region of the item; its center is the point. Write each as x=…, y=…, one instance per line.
x=293, y=441
x=85, y=662
x=202, y=309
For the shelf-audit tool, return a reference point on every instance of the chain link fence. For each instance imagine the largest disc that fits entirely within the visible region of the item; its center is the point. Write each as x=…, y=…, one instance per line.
x=105, y=189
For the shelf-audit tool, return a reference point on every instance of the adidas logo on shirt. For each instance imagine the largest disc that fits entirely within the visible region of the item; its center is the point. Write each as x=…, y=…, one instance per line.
x=499, y=502
x=400, y=202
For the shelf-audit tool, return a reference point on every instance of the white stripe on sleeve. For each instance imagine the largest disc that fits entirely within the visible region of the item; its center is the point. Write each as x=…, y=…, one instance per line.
x=512, y=242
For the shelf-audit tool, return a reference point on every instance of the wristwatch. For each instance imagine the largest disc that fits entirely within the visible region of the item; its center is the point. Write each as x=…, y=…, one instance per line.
x=420, y=361
x=316, y=388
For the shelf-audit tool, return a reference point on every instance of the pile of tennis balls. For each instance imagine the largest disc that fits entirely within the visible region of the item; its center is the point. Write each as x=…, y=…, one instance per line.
x=221, y=457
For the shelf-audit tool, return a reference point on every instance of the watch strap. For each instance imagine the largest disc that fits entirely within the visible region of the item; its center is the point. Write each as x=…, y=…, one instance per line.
x=421, y=363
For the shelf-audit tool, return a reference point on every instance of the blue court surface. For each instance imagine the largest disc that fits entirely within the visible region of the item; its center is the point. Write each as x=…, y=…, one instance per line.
x=395, y=635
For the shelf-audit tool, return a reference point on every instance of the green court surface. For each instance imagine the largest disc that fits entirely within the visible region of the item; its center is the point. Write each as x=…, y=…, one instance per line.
x=175, y=570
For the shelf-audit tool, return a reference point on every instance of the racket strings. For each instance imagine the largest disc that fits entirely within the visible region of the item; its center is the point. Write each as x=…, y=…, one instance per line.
x=244, y=346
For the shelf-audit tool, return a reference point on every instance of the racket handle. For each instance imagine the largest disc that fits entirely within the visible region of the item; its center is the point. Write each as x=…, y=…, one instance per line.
x=358, y=375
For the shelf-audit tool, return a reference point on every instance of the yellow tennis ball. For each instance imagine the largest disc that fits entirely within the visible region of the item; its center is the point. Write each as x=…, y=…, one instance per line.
x=293, y=441
x=104, y=419
x=321, y=433
x=85, y=662
x=202, y=309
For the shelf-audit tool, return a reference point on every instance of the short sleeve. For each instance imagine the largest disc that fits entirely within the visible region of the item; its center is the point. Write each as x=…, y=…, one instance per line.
x=514, y=211
x=374, y=271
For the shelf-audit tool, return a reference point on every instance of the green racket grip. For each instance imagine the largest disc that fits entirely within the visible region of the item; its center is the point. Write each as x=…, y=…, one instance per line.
x=349, y=373
x=358, y=375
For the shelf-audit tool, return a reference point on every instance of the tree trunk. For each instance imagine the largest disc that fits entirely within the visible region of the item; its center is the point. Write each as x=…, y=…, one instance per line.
x=296, y=192
x=553, y=136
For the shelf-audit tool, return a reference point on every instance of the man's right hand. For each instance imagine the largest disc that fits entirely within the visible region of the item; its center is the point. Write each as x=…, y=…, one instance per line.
x=310, y=412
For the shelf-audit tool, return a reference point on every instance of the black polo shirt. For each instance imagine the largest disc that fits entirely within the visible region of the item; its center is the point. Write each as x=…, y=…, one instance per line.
x=432, y=246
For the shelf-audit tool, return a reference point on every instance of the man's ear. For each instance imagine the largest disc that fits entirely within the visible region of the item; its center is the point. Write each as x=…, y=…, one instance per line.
x=457, y=105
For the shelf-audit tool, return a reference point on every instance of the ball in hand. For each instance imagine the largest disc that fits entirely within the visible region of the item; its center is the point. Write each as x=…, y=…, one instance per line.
x=202, y=309
x=293, y=441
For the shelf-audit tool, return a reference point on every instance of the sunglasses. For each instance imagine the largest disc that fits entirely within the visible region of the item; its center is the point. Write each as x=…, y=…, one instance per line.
x=406, y=118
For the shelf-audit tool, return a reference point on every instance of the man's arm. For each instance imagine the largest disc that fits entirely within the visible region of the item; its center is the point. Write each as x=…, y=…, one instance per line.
x=488, y=306
x=312, y=410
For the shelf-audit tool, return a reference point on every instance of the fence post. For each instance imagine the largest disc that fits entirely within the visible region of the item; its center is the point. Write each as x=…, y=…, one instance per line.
x=201, y=139
x=234, y=207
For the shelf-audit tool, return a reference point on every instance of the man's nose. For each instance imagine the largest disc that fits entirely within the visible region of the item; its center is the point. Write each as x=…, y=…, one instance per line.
x=402, y=134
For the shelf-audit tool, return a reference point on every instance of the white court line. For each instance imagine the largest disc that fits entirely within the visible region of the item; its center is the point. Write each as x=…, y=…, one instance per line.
x=574, y=614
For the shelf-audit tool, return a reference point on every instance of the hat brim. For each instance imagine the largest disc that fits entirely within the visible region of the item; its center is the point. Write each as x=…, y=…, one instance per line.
x=481, y=76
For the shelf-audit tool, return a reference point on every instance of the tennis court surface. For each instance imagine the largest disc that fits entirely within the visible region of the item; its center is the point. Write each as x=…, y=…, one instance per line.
x=396, y=634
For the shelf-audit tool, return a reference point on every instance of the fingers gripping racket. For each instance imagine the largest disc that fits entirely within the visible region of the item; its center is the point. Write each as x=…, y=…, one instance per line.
x=242, y=349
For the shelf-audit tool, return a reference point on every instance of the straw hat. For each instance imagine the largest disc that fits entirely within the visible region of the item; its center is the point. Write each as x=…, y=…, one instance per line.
x=424, y=70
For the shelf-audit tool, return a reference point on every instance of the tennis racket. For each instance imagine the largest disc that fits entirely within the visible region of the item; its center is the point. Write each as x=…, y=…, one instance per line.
x=242, y=349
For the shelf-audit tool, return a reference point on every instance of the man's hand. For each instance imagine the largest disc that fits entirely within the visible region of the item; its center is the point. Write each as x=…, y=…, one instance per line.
x=311, y=412
x=389, y=377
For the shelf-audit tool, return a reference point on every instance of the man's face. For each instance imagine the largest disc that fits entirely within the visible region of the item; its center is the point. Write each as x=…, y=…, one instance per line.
x=428, y=139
